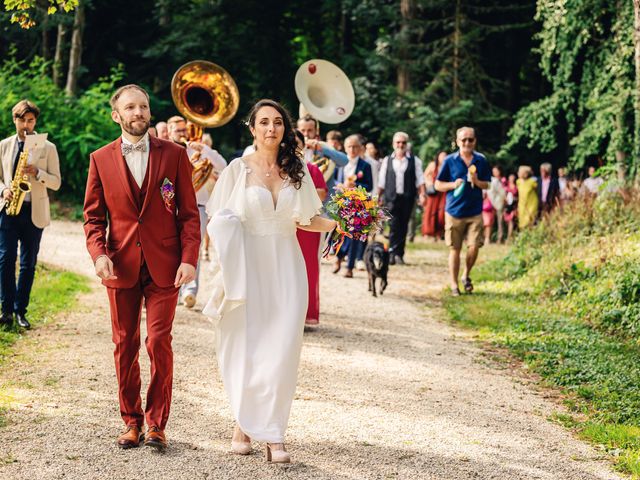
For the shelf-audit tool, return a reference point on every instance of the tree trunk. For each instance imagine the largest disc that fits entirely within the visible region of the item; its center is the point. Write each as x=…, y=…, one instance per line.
x=346, y=37
x=636, y=93
x=57, y=59
x=407, y=9
x=457, y=35
x=76, y=51
x=46, y=55
x=621, y=156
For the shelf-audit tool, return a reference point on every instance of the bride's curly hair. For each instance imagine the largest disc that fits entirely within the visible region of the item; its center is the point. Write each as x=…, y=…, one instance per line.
x=289, y=156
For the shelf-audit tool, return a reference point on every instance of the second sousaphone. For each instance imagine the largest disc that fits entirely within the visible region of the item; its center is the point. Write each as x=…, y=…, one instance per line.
x=325, y=92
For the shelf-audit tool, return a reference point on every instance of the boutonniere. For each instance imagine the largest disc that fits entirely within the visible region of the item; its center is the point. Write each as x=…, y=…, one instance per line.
x=360, y=174
x=167, y=192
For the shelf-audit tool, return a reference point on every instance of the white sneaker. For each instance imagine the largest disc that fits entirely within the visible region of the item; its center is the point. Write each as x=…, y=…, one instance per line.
x=360, y=265
x=189, y=300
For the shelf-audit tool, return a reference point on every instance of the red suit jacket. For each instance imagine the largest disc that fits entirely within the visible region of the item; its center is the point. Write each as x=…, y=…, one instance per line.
x=116, y=226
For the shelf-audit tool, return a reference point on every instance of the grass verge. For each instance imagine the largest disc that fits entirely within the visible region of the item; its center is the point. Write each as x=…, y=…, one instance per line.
x=53, y=291
x=598, y=371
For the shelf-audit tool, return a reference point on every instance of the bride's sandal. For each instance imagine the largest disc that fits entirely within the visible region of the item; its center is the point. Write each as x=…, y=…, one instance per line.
x=277, y=456
x=241, y=447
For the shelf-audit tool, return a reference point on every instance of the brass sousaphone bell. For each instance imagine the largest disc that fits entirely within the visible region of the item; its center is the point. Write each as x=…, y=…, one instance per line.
x=325, y=93
x=207, y=95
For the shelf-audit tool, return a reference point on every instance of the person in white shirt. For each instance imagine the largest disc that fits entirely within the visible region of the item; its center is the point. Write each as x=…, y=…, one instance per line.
x=356, y=173
x=197, y=152
x=592, y=183
x=400, y=183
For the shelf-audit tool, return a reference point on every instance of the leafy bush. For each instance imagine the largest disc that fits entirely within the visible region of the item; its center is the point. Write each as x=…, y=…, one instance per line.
x=76, y=125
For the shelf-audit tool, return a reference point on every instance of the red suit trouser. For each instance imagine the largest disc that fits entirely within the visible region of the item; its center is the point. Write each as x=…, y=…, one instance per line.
x=126, y=310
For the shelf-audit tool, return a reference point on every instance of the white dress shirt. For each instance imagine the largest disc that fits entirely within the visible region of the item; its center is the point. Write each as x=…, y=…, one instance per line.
x=400, y=167
x=375, y=168
x=138, y=161
x=350, y=168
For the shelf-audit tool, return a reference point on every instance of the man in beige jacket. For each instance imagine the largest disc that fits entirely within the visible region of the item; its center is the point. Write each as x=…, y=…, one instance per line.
x=43, y=170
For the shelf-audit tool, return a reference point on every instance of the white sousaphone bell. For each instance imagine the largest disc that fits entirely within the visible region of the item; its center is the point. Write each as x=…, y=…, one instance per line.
x=325, y=92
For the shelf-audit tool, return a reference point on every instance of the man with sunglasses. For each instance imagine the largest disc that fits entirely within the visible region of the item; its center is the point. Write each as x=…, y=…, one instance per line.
x=400, y=183
x=464, y=174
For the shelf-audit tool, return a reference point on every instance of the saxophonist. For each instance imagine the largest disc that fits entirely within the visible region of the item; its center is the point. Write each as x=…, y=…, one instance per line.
x=25, y=228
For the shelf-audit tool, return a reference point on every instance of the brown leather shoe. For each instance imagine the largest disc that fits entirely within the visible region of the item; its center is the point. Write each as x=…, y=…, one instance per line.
x=337, y=265
x=131, y=437
x=155, y=438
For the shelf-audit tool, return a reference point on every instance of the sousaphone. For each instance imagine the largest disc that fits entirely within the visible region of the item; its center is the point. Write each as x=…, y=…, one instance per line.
x=207, y=95
x=325, y=93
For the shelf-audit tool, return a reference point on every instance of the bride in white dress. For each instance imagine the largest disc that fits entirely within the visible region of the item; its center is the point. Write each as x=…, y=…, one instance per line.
x=260, y=294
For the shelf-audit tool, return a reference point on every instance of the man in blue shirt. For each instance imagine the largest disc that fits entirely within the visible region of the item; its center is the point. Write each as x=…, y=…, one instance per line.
x=464, y=174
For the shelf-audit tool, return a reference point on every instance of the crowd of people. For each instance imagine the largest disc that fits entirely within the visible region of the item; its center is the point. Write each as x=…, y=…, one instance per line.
x=513, y=201
x=156, y=197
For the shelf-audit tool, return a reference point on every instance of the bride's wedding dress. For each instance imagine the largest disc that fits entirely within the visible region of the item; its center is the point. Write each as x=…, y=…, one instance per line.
x=260, y=295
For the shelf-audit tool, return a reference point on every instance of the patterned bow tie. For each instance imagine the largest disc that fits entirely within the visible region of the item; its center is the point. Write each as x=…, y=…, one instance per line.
x=127, y=148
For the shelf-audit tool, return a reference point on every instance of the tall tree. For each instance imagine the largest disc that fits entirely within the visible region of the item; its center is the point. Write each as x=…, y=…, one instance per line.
x=636, y=96
x=585, y=51
x=75, y=54
x=407, y=11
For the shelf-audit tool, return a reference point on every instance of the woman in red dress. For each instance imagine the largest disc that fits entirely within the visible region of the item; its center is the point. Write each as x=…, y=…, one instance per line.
x=310, y=245
x=433, y=216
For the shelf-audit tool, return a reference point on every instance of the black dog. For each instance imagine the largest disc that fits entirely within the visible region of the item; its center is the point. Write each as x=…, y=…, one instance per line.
x=377, y=260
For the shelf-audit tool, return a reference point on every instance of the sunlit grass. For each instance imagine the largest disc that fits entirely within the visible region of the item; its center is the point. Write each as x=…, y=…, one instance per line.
x=564, y=306
x=53, y=291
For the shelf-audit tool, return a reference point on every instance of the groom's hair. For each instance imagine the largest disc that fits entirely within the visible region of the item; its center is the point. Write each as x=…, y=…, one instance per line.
x=121, y=90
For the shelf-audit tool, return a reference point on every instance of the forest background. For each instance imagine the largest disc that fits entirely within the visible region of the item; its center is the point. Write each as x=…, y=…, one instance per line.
x=552, y=80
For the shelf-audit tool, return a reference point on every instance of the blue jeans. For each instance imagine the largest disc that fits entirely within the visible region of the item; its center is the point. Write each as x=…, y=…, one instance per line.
x=13, y=230
x=353, y=248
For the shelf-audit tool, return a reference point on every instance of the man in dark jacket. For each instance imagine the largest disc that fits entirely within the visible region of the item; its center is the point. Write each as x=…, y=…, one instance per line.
x=548, y=190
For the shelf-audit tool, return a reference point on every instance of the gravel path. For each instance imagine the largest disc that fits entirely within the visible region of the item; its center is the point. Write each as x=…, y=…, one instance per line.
x=387, y=390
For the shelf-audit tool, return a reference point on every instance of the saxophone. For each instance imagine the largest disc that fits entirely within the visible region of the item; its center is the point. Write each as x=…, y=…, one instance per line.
x=20, y=185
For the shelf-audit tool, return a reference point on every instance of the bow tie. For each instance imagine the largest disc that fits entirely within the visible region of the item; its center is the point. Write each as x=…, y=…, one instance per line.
x=127, y=148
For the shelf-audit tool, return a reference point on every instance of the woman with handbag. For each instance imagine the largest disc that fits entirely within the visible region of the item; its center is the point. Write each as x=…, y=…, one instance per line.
x=433, y=216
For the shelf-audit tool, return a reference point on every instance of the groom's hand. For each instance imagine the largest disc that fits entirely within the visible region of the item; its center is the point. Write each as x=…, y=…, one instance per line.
x=186, y=273
x=104, y=268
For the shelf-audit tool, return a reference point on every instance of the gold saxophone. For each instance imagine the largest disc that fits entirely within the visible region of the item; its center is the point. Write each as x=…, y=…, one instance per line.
x=20, y=186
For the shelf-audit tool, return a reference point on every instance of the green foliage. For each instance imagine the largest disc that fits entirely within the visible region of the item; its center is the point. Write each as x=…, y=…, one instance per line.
x=586, y=55
x=24, y=9
x=566, y=300
x=76, y=125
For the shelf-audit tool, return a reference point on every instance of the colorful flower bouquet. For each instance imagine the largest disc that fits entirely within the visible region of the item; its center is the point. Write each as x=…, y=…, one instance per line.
x=357, y=215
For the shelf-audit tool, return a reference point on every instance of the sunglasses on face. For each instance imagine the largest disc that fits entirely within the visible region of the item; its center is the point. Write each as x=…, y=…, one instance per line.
x=401, y=142
x=468, y=140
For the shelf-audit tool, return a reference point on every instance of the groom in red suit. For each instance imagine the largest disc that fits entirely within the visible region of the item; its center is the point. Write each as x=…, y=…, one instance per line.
x=143, y=233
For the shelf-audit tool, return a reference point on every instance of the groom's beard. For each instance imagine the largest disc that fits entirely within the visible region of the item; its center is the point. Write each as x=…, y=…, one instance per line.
x=136, y=131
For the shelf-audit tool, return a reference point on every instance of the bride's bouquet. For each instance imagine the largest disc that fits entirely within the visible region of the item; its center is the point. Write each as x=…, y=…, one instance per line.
x=357, y=215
